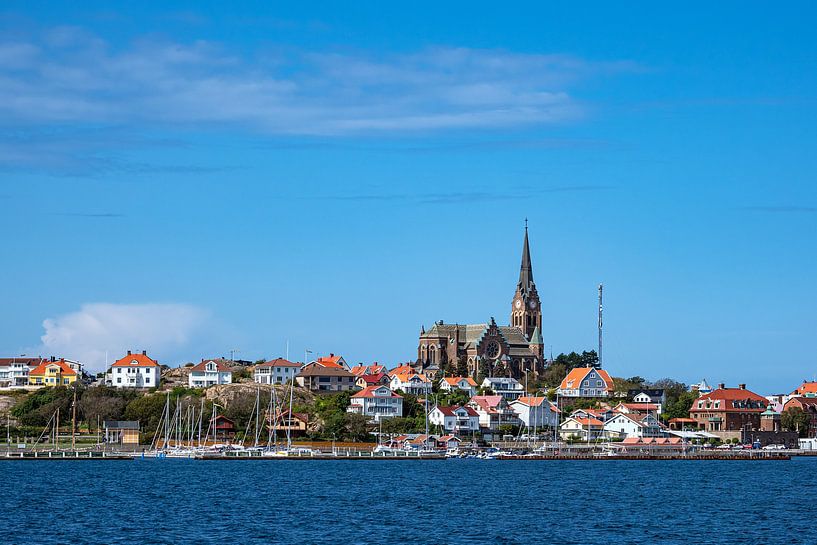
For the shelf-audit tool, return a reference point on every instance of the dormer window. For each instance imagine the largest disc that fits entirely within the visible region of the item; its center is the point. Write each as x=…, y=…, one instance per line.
x=134, y=362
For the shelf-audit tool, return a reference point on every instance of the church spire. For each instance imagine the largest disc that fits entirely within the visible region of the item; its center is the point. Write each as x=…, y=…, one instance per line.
x=526, y=270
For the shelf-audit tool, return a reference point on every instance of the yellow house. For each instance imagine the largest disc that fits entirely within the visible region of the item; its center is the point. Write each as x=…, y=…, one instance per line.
x=52, y=373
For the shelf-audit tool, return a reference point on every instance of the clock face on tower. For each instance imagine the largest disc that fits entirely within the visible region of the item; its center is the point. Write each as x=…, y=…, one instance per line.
x=518, y=303
x=532, y=304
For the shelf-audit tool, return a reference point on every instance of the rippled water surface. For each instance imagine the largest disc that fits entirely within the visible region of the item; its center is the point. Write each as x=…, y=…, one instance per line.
x=385, y=501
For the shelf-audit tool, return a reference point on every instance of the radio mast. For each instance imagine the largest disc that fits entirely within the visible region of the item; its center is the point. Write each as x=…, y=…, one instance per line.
x=601, y=288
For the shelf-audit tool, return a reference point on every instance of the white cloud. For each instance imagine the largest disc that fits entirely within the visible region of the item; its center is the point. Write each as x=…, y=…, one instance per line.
x=164, y=330
x=70, y=76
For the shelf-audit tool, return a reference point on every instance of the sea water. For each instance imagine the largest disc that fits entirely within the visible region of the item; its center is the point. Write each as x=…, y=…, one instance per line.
x=423, y=502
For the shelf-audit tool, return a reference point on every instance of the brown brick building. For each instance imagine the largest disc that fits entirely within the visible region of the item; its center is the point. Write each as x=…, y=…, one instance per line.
x=728, y=409
x=809, y=406
x=508, y=350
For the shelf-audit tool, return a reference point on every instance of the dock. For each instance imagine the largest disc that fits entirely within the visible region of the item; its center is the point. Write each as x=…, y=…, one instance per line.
x=56, y=455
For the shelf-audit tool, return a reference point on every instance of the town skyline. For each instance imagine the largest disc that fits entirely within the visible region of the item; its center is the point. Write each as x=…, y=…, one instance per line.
x=197, y=181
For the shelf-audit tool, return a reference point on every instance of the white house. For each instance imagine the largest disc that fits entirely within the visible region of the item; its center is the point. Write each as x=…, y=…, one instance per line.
x=411, y=383
x=134, y=371
x=455, y=420
x=376, y=402
x=493, y=412
x=14, y=371
x=536, y=412
x=582, y=427
x=507, y=387
x=633, y=425
x=209, y=373
x=277, y=371
x=466, y=384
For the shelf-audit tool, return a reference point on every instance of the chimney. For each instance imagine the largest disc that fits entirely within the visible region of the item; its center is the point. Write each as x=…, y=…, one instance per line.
x=721, y=386
x=742, y=386
x=144, y=352
x=331, y=355
x=53, y=358
x=128, y=352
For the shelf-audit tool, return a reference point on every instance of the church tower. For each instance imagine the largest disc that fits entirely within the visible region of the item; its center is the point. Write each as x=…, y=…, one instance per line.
x=526, y=310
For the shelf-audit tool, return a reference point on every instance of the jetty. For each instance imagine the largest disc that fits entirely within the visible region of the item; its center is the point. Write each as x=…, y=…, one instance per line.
x=64, y=455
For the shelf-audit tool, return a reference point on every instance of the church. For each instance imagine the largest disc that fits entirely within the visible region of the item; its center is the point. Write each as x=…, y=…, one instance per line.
x=506, y=351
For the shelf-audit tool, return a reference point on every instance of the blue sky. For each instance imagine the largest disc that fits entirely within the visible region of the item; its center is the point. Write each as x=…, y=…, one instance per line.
x=201, y=178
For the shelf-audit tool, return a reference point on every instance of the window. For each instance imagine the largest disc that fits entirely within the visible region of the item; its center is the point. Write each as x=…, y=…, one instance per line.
x=119, y=380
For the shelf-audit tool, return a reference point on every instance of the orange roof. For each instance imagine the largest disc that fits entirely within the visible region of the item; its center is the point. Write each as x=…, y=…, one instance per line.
x=402, y=368
x=588, y=421
x=141, y=360
x=806, y=388
x=405, y=377
x=532, y=401
x=372, y=369
x=574, y=378
x=64, y=368
x=453, y=381
x=278, y=362
x=330, y=361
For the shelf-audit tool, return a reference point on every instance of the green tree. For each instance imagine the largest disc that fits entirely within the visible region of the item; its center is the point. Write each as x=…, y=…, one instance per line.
x=462, y=367
x=680, y=406
x=357, y=428
x=148, y=410
x=796, y=419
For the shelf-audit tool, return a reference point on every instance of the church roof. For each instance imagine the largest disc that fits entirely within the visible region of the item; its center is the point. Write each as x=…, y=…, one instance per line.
x=526, y=269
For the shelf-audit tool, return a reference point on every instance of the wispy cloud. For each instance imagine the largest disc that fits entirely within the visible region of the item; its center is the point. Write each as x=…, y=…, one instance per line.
x=785, y=209
x=68, y=75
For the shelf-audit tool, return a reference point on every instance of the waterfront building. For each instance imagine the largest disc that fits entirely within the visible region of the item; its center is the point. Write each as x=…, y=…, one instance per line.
x=52, y=372
x=725, y=410
x=770, y=419
x=376, y=402
x=14, y=371
x=411, y=383
x=134, y=371
x=584, y=428
x=449, y=442
x=320, y=378
x=494, y=412
x=624, y=425
x=222, y=428
x=209, y=373
x=536, y=412
x=809, y=406
x=378, y=379
x=277, y=371
x=455, y=419
x=488, y=348
x=465, y=384
x=283, y=421
x=584, y=383
x=507, y=387
x=121, y=432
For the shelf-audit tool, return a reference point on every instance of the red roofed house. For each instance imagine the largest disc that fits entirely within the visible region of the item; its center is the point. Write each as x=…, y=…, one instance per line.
x=134, y=371
x=222, y=427
x=584, y=428
x=209, y=373
x=466, y=384
x=277, y=371
x=494, y=412
x=536, y=412
x=14, y=371
x=373, y=369
x=728, y=410
x=376, y=402
x=584, y=383
x=455, y=419
x=638, y=408
x=332, y=361
x=378, y=379
x=320, y=378
x=52, y=372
